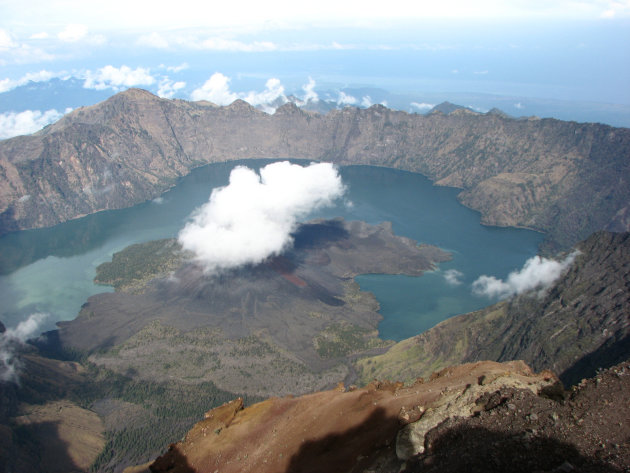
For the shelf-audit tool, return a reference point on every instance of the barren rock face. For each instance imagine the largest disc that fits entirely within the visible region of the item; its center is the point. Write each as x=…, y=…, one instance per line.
x=565, y=178
x=342, y=429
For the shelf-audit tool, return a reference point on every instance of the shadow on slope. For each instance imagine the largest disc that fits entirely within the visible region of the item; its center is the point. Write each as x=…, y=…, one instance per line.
x=476, y=449
x=352, y=450
x=609, y=354
x=36, y=448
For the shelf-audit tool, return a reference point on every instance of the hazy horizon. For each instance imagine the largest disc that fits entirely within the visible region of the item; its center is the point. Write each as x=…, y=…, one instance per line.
x=567, y=59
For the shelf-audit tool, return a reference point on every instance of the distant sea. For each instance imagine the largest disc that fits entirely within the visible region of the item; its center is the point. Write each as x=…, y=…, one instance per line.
x=51, y=270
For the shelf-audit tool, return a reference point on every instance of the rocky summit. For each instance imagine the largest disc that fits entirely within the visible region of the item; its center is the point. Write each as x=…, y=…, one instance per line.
x=564, y=178
x=482, y=417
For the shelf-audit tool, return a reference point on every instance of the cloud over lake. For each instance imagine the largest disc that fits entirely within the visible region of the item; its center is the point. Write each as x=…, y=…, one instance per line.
x=252, y=218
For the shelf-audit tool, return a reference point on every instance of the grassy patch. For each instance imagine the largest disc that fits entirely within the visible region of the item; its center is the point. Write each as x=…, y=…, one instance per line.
x=137, y=264
x=342, y=339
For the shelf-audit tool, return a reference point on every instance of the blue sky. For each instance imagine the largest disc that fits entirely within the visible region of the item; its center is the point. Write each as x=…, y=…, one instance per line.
x=523, y=53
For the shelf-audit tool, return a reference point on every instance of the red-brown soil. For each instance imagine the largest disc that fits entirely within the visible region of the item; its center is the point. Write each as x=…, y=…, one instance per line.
x=332, y=431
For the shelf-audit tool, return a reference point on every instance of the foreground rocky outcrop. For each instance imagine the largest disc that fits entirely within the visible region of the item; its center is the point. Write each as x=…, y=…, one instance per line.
x=340, y=430
x=482, y=417
x=567, y=179
x=578, y=325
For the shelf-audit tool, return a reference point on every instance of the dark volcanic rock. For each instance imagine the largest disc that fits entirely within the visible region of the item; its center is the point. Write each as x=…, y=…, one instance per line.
x=518, y=431
x=297, y=317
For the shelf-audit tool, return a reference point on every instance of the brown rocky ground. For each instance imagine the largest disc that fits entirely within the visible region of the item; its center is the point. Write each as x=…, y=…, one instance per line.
x=337, y=430
x=488, y=417
x=517, y=431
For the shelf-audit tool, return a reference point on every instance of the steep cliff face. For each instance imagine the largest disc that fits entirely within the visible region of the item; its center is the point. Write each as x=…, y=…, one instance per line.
x=565, y=178
x=578, y=325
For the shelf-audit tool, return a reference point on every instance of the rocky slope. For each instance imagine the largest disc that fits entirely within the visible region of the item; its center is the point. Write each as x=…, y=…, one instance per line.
x=564, y=178
x=478, y=417
x=578, y=325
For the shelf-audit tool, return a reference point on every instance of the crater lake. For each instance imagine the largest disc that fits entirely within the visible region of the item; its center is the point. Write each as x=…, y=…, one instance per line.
x=51, y=270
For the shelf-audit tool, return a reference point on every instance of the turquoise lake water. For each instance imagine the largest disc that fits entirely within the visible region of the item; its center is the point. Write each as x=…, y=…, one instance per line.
x=51, y=270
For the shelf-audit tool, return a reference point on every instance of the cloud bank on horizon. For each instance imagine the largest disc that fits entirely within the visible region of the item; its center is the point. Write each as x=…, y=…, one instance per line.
x=252, y=218
x=75, y=19
x=537, y=274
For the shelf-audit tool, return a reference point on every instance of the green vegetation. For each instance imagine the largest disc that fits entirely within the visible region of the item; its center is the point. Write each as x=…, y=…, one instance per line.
x=431, y=351
x=343, y=339
x=137, y=264
x=169, y=409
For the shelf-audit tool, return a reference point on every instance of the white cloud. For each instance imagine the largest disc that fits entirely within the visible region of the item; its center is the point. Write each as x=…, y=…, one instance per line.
x=6, y=85
x=537, y=273
x=309, y=91
x=6, y=41
x=259, y=17
x=73, y=33
x=274, y=90
x=26, y=122
x=182, y=67
x=345, y=99
x=453, y=277
x=10, y=342
x=19, y=53
x=40, y=35
x=423, y=106
x=519, y=105
x=168, y=88
x=153, y=40
x=216, y=90
x=222, y=44
x=366, y=101
x=110, y=77
x=616, y=9
x=252, y=217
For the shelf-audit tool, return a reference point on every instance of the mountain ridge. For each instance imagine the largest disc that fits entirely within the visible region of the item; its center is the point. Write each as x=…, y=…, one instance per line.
x=133, y=146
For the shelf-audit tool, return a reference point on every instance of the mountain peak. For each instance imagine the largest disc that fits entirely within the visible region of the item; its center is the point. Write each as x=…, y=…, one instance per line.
x=240, y=106
x=447, y=108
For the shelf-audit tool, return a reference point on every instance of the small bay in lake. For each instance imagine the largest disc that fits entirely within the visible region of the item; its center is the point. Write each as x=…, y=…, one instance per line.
x=51, y=270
